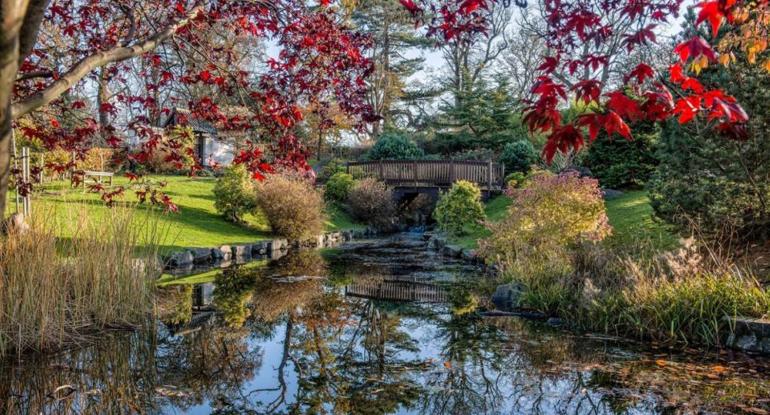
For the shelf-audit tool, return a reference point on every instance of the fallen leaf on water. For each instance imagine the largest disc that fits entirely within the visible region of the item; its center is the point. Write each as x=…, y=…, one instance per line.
x=718, y=369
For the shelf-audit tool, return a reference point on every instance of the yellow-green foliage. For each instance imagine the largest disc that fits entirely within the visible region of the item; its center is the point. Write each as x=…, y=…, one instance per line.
x=338, y=187
x=234, y=193
x=458, y=207
x=292, y=206
x=550, y=213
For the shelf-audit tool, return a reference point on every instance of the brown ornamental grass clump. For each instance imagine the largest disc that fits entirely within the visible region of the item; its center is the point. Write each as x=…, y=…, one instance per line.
x=292, y=206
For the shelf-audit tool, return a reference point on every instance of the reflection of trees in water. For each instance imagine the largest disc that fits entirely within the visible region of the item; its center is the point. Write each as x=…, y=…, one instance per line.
x=210, y=364
x=300, y=263
x=109, y=378
x=233, y=294
x=342, y=355
x=348, y=358
x=174, y=304
x=474, y=361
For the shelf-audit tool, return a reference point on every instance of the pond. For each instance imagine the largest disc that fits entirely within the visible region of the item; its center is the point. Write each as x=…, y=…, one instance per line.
x=376, y=327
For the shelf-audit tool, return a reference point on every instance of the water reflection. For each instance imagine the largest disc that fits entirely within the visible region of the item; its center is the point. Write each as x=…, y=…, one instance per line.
x=284, y=341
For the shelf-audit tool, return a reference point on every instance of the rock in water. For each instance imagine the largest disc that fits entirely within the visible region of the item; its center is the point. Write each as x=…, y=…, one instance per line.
x=507, y=296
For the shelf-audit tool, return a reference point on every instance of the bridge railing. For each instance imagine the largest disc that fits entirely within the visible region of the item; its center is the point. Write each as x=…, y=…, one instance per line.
x=434, y=173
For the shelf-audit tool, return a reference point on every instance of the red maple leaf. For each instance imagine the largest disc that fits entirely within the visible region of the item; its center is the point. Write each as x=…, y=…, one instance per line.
x=562, y=139
x=641, y=72
x=694, y=48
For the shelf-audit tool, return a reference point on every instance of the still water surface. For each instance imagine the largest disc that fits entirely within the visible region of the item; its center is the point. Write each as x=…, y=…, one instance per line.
x=379, y=327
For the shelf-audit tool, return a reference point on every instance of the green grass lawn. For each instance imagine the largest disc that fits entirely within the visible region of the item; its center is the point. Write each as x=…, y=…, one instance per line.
x=196, y=225
x=495, y=210
x=634, y=224
x=630, y=215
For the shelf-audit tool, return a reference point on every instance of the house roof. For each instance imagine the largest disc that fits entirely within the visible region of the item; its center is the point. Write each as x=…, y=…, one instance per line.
x=197, y=125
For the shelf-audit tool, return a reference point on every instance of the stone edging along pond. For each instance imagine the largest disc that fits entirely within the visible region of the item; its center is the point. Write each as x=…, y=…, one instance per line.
x=221, y=256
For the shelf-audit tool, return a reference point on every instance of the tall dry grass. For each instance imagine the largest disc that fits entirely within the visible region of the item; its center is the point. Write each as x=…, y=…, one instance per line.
x=55, y=292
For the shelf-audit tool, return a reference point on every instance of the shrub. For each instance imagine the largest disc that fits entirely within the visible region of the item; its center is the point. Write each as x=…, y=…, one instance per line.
x=458, y=207
x=394, y=146
x=371, y=201
x=292, y=206
x=234, y=193
x=620, y=163
x=53, y=295
x=515, y=180
x=519, y=156
x=712, y=184
x=338, y=186
x=331, y=168
x=550, y=214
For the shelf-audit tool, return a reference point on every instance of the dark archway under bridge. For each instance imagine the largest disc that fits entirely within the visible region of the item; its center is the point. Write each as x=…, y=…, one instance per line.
x=413, y=177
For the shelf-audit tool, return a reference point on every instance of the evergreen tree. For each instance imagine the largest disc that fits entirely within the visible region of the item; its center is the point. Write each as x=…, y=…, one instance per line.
x=713, y=181
x=394, y=39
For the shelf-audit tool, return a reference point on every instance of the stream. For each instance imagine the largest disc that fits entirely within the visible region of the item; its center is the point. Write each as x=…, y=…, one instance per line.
x=381, y=326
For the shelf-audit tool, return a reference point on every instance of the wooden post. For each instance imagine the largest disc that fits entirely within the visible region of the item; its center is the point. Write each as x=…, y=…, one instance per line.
x=42, y=167
x=451, y=172
x=382, y=172
x=414, y=174
x=16, y=166
x=347, y=167
x=489, y=174
x=26, y=201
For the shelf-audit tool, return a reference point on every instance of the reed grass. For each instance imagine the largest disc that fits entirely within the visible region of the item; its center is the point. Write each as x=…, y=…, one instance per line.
x=55, y=292
x=681, y=297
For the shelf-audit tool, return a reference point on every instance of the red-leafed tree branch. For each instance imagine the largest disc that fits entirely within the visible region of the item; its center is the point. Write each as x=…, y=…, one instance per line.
x=571, y=26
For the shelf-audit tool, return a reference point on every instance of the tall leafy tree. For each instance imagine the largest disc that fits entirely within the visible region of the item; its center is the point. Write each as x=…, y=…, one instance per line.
x=394, y=50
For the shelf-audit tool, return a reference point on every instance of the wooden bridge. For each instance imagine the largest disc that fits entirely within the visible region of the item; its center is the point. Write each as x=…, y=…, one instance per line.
x=487, y=175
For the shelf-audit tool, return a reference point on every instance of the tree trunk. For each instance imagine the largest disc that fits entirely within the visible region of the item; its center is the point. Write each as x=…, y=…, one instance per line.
x=11, y=18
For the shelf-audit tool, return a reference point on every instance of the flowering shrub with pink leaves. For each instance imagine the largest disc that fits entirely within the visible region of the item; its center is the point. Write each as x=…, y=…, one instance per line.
x=550, y=213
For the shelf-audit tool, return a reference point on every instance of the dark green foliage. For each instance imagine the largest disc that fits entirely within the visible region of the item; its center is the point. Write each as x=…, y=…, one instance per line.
x=330, y=168
x=394, y=146
x=519, y=156
x=482, y=116
x=338, y=186
x=619, y=163
x=713, y=182
x=234, y=193
x=458, y=207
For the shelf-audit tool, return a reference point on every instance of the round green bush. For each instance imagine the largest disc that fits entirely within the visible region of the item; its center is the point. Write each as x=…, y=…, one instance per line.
x=338, y=187
x=519, y=156
x=234, y=193
x=458, y=207
x=394, y=146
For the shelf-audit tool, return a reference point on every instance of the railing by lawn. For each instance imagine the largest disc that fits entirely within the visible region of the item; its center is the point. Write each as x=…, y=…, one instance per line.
x=432, y=173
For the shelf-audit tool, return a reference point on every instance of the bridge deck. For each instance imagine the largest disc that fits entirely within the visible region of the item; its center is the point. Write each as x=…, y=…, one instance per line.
x=432, y=173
